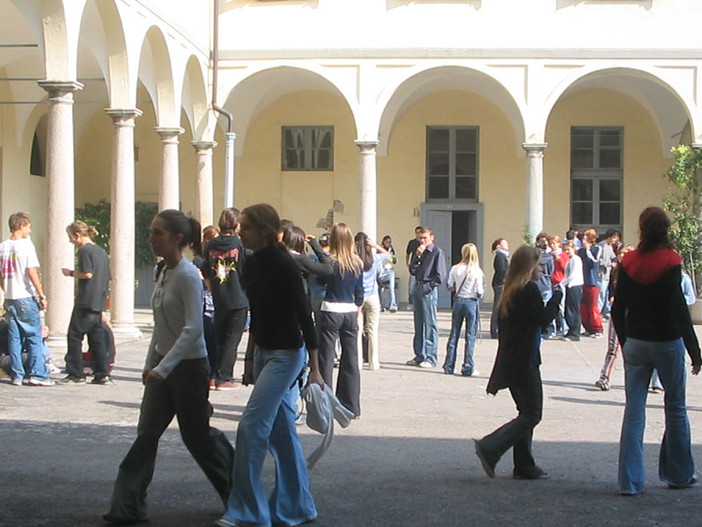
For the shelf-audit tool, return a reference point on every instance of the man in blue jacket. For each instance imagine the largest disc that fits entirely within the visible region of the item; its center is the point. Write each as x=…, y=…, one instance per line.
x=428, y=266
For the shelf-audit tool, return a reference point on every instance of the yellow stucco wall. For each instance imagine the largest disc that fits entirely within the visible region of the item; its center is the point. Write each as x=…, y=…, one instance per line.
x=644, y=160
x=303, y=197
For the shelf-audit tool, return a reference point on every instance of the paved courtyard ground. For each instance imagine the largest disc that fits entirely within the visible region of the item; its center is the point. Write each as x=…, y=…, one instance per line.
x=407, y=462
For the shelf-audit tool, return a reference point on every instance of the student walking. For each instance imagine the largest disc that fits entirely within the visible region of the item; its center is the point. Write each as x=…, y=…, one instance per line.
x=175, y=376
x=280, y=322
x=522, y=317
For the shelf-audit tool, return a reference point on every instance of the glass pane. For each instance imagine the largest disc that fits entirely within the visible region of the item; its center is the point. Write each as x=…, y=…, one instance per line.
x=610, y=159
x=287, y=138
x=581, y=190
x=465, y=188
x=610, y=190
x=438, y=140
x=610, y=138
x=323, y=160
x=582, y=139
x=466, y=140
x=582, y=213
x=438, y=188
x=609, y=214
x=438, y=164
x=466, y=165
x=293, y=159
x=322, y=137
x=582, y=159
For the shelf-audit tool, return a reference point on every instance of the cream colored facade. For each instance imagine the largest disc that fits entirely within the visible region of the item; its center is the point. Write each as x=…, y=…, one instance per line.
x=120, y=94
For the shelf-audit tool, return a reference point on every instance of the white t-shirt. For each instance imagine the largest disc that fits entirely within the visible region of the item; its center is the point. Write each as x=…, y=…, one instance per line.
x=16, y=256
x=472, y=287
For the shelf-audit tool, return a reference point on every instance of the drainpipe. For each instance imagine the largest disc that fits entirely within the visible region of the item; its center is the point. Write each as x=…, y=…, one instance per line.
x=229, y=136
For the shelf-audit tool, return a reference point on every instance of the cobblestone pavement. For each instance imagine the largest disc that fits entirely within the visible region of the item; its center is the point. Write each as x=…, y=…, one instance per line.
x=407, y=462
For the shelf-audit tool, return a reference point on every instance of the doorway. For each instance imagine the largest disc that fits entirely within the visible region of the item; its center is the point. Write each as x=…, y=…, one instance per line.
x=453, y=226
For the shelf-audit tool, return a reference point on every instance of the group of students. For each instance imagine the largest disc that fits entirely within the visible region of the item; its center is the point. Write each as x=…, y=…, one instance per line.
x=272, y=269
x=653, y=325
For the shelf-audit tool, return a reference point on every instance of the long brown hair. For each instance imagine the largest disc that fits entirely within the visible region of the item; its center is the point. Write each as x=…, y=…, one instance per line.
x=519, y=274
x=653, y=230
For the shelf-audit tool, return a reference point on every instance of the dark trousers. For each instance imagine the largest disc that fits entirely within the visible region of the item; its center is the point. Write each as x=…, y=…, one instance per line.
x=348, y=384
x=574, y=296
x=517, y=434
x=84, y=321
x=228, y=329
x=184, y=393
x=495, y=316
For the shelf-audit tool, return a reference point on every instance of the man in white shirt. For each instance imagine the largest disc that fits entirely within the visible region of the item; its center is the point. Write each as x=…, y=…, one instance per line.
x=24, y=296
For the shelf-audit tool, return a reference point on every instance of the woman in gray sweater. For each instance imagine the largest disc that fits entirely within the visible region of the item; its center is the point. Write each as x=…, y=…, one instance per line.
x=175, y=376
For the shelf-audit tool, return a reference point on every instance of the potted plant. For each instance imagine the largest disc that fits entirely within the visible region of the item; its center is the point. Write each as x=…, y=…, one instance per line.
x=684, y=201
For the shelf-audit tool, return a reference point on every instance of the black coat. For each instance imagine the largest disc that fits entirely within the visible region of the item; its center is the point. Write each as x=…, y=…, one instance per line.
x=520, y=336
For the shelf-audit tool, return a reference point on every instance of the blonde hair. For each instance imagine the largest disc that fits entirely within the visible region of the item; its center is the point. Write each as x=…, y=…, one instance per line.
x=521, y=269
x=342, y=249
x=81, y=229
x=469, y=256
x=591, y=235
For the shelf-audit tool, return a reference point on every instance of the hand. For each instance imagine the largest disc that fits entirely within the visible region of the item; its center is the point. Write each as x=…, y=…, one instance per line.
x=316, y=378
x=43, y=303
x=150, y=376
x=66, y=272
x=695, y=369
x=420, y=250
x=310, y=237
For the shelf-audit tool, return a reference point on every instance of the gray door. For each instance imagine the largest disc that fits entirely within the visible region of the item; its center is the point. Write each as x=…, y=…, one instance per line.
x=440, y=223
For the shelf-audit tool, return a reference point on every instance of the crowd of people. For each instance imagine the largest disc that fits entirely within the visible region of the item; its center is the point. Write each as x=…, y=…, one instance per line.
x=308, y=314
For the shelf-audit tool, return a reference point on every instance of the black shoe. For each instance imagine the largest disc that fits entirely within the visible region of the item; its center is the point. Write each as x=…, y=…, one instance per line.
x=103, y=381
x=530, y=473
x=691, y=483
x=70, y=380
x=488, y=467
x=111, y=520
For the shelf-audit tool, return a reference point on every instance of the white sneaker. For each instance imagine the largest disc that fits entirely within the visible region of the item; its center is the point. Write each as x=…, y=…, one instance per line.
x=38, y=381
x=426, y=364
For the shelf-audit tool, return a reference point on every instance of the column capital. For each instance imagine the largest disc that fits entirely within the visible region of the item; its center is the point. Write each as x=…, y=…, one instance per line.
x=534, y=148
x=123, y=116
x=200, y=146
x=364, y=144
x=169, y=133
x=59, y=88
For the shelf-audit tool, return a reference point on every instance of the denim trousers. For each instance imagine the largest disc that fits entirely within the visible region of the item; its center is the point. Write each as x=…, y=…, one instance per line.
x=84, y=321
x=387, y=279
x=573, y=318
x=675, y=463
x=24, y=328
x=184, y=393
x=268, y=423
x=426, y=328
x=464, y=309
x=517, y=434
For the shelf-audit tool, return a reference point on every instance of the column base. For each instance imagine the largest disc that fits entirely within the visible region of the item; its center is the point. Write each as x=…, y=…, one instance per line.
x=126, y=331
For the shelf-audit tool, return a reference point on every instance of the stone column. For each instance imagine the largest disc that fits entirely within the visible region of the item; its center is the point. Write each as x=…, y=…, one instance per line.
x=169, y=195
x=60, y=175
x=535, y=187
x=122, y=223
x=204, y=200
x=368, y=186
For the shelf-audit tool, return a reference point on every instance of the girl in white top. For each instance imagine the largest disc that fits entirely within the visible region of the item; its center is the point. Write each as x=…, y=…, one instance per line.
x=176, y=376
x=572, y=284
x=467, y=280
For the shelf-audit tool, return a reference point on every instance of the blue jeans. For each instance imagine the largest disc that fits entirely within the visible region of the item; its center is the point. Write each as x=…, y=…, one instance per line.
x=463, y=309
x=603, y=300
x=24, y=326
x=387, y=279
x=675, y=465
x=268, y=422
x=426, y=329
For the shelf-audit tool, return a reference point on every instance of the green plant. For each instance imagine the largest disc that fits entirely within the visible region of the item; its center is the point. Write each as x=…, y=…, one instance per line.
x=683, y=201
x=97, y=215
x=527, y=238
